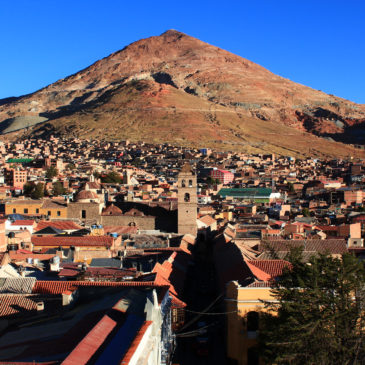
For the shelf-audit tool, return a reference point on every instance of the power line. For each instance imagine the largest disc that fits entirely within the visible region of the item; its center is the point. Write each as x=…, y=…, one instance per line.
x=199, y=315
x=210, y=314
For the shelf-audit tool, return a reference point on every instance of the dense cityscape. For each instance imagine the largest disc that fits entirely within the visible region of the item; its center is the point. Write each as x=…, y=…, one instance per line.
x=139, y=253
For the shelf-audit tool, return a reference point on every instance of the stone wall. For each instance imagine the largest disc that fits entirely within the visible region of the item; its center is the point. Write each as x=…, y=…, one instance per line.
x=124, y=220
x=92, y=210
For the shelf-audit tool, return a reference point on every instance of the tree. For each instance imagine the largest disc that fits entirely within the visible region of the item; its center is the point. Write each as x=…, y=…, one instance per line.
x=58, y=189
x=38, y=192
x=28, y=188
x=291, y=188
x=319, y=314
x=112, y=177
x=51, y=172
x=211, y=181
x=306, y=212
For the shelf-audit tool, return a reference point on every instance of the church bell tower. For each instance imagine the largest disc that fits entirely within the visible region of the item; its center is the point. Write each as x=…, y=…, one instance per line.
x=187, y=201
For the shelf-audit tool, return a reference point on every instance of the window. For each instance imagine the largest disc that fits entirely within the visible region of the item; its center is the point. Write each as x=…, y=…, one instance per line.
x=25, y=210
x=183, y=183
x=190, y=183
x=252, y=321
x=186, y=197
x=83, y=214
x=14, y=210
x=49, y=213
x=37, y=210
x=58, y=213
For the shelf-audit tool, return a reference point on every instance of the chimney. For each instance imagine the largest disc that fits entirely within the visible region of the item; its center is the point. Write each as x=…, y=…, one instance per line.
x=40, y=306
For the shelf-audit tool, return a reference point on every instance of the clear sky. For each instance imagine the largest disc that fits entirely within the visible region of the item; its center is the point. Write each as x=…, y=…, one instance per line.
x=318, y=43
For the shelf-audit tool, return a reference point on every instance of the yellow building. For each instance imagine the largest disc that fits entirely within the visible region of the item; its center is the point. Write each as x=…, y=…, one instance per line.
x=26, y=206
x=53, y=209
x=224, y=215
x=243, y=304
x=43, y=207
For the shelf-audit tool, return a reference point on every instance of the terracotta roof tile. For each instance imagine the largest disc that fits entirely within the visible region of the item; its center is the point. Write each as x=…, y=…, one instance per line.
x=112, y=210
x=23, y=222
x=62, y=225
x=11, y=304
x=120, y=229
x=83, y=352
x=258, y=273
x=259, y=284
x=15, y=256
x=208, y=220
x=58, y=287
x=332, y=246
x=135, y=343
x=94, y=241
x=272, y=267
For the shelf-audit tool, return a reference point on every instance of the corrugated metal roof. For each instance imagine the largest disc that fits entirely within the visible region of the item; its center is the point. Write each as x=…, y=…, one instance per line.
x=246, y=192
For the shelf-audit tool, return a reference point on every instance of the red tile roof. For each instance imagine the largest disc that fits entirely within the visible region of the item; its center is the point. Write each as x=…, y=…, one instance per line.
x=272, y=267
x=63, y=225
x=208, y=220
x=258, y=273
x=172, y=274
x=23, y=222
x=15, y=256
x=135, y=343
x=332, y=246
x=112, y=210
x=259, y=284
x=94, y=241
x=120, y=229
x=11, y=304
x=58, y=287
x=83, y=352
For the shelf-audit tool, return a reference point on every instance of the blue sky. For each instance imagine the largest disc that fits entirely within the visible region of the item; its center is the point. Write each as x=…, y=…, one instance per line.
x=319, y=43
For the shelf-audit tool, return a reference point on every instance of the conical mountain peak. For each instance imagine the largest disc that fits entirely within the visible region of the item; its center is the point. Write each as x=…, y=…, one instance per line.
x=175, y=88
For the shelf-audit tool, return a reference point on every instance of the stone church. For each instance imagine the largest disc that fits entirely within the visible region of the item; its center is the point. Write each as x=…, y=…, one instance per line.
x=187, y=201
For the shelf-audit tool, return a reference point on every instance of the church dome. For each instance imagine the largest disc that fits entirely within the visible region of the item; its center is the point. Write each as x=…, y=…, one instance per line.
x=85, y=196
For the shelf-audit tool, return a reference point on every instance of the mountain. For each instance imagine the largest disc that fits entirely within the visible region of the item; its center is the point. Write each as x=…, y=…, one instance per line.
x=176, y=88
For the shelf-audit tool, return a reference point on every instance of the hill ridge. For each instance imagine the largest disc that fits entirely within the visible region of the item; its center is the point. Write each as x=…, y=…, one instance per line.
x=198, y=82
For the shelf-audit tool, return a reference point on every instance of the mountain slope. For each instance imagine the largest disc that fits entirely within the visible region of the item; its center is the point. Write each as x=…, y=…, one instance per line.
x=176, y=88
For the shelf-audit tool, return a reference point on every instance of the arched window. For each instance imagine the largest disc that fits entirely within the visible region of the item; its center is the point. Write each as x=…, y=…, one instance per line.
x=183, y=183
x=190, y=183
x=252, y=321
x=186, y=197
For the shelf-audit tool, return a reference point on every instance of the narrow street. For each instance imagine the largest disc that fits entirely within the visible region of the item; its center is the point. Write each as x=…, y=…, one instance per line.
x=205, y=338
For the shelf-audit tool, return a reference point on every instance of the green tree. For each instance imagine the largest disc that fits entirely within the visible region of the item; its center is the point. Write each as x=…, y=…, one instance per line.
x=28, y=188
x=306, y=212
x=38, y=192
x=211, y=181
x=112, y=177
x=318, y=316
x=58, y=189
x=51, y=172
x=70, y=166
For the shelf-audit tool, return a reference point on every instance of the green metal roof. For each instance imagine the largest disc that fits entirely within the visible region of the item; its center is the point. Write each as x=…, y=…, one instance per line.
x=19, y=160
x=249, y=193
